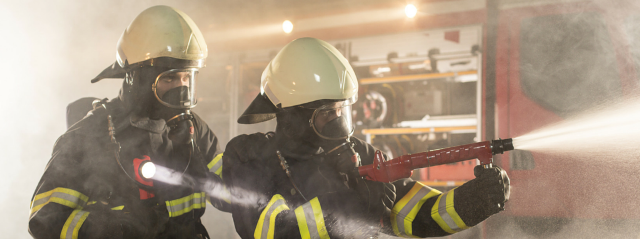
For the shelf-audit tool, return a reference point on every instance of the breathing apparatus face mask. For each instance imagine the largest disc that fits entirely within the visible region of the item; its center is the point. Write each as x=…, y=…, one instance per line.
x=175, y=91
x=317, y=124
x=333, y=121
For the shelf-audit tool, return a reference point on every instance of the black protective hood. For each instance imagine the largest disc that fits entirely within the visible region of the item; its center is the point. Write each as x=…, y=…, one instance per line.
x=261, y=109
x=136, y=93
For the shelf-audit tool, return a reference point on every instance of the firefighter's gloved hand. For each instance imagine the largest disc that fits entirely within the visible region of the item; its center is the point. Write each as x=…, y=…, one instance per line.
x=483, y=196
x=494, y=183
x=378, y=197
x=342, y=159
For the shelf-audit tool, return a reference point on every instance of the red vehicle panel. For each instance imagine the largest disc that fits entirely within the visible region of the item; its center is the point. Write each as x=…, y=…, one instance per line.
x=560, y=186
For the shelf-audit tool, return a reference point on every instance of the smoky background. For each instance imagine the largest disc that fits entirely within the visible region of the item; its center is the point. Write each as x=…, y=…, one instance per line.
x=51, y=50
x=55, y=48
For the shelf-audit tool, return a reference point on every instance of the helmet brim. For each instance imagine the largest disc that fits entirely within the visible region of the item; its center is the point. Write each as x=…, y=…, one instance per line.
x=113, y=71
x=261, y=109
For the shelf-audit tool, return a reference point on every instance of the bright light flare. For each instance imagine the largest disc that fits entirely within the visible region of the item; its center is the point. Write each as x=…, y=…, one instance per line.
x=287, y=26
x=410, y=10
x=148, y=170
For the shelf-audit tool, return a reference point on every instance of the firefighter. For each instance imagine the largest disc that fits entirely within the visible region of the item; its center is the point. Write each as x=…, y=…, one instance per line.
x=141, y=165
x=300, y=181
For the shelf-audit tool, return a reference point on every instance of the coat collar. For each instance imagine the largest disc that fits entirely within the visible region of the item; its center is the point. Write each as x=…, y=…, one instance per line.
x=151, y=125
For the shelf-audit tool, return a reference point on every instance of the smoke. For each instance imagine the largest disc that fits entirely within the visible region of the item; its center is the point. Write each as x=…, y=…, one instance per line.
x=51, y=50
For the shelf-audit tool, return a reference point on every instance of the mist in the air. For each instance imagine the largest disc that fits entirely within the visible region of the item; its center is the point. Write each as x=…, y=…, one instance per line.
x=52, y=49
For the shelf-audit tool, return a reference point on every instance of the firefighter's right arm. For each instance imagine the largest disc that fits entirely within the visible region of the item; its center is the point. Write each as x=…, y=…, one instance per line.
x=421, y=211
x=61, y=206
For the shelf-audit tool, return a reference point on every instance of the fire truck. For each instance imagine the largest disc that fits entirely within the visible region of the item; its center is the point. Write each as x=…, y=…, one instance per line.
x=462, y=71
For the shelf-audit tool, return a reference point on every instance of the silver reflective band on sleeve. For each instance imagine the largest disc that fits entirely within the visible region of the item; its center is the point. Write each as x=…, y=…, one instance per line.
x=311, y=220
x=266, y=223
x=186, y=204
x=444, y=213
x=442, y=210
x=64, y=196
x=73, y=224
x=215, y=166
x=405, y=211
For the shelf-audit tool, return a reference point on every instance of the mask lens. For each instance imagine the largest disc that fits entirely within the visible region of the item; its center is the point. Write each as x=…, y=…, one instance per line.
x=333, y=121
x=176, y=88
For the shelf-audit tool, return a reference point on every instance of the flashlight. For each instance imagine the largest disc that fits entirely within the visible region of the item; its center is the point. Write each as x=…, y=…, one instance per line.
x=147, y=170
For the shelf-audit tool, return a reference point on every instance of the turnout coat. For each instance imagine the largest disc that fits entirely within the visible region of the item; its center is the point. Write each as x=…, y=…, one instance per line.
x=86, y=193
x=265, y=204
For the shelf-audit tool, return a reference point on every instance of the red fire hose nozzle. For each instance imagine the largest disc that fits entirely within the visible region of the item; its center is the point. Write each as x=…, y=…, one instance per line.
x=403, y=166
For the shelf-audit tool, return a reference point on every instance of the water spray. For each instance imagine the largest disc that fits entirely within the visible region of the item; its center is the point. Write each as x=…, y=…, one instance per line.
x=403, y=166
x=611, y=131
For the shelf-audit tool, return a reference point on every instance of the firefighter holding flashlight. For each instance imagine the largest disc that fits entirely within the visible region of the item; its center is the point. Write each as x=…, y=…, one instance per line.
x=300, y=182
x=141, y=165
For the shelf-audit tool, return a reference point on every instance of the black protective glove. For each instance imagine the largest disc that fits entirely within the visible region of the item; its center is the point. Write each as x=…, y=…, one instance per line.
x=483, y=196
x=378, y=197
x=495, y=183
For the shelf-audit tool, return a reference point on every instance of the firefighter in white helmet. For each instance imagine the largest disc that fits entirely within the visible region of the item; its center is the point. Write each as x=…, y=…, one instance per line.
x=300, y=182
x=100, y=181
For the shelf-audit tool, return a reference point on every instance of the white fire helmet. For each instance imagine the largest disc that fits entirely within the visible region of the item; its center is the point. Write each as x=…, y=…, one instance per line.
x=166, y=38
x=304, y=72
x=161, y=31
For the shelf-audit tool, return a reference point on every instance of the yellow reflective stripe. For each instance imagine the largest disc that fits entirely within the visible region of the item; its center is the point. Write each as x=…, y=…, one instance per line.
x=65, y=228
x=405, y=211
x=63, y=196
x=443, y=212
x=118, y=208
x=186, y=204
x=311, y=220
x=265, y=229
x=272, y=219
x=317, y=212
x=452, y=212
x=215, y=165
x=436, y=216
x=72, y=225
x=302, y=223
x=399, y=206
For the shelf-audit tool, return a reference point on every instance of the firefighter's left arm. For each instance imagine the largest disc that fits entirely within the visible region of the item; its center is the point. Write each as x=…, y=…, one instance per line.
x=426, y=212
x=207, y=143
